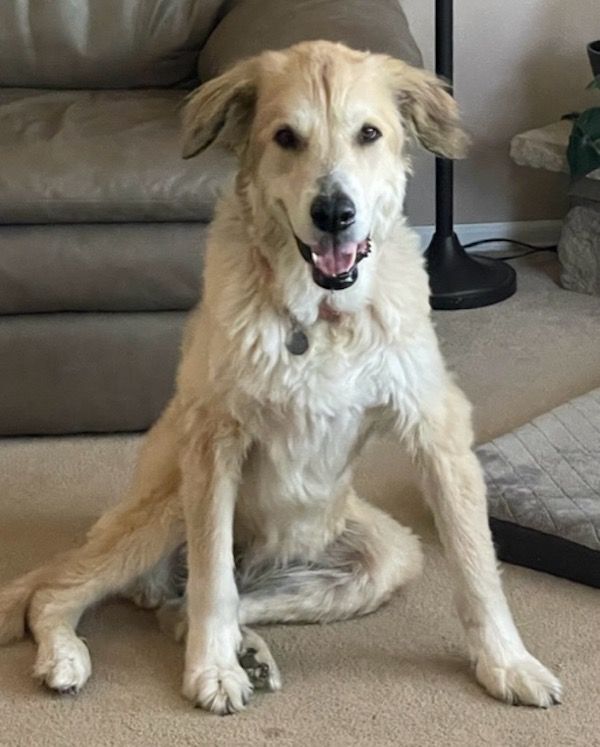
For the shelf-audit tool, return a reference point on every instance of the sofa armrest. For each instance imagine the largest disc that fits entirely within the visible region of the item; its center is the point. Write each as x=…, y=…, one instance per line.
x=252, y=26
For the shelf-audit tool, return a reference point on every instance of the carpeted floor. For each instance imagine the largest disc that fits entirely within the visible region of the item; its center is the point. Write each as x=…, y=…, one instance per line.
x=397, y=677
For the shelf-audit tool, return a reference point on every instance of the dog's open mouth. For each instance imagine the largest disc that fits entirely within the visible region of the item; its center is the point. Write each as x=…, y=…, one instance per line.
x=335, y=263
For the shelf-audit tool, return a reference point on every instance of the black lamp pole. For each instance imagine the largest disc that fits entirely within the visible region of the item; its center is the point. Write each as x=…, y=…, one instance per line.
x=457, y=280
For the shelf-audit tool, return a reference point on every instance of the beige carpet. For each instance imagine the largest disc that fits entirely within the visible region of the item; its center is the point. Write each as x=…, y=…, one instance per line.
x=398, y=677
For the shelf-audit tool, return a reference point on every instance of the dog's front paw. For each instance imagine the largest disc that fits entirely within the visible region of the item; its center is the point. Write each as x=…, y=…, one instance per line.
x=64, y=664
x=519, y=681
x=218, y=689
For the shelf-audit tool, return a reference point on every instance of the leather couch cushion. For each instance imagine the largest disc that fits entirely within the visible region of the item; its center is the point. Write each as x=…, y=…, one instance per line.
x=102, y=43
x=90, y=156
x=252, y=26
x=100, y=267
x=74, y=373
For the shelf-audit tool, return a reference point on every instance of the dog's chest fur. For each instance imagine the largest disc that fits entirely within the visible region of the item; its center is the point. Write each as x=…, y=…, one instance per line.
x=307, y=417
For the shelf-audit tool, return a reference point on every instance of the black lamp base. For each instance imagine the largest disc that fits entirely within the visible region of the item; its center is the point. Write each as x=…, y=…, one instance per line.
x=459, y=281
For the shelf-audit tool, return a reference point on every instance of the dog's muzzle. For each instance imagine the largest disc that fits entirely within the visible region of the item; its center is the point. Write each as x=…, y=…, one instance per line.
x=334, y=280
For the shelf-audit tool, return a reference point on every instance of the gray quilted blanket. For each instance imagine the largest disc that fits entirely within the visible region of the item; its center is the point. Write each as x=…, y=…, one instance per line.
x=546, y=475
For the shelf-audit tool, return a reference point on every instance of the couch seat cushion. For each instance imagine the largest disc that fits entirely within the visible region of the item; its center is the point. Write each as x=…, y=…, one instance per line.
x=74, y=373
x=102, y=156
x=100, y=267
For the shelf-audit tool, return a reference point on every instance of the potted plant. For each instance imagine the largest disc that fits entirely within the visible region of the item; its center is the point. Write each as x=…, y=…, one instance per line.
x=583, y=152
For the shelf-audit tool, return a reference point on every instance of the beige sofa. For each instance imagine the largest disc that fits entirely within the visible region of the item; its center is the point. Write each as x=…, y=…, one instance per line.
x=102, y=223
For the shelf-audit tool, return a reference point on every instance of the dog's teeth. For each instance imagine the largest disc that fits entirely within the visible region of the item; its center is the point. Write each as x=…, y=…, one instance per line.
x=314, y=257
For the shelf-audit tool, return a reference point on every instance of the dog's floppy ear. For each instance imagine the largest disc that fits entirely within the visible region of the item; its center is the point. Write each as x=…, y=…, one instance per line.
x=224, y=105
x=429, y=109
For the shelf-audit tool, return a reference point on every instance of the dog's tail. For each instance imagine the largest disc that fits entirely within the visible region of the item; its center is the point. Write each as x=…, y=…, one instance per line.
x=14, y=603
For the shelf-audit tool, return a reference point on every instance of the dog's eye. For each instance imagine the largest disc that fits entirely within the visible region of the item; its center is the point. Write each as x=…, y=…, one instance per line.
x=286, y=138
x=368, y=134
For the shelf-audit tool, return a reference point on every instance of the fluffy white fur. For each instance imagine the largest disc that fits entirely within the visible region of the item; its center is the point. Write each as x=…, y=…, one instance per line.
x=251, y=463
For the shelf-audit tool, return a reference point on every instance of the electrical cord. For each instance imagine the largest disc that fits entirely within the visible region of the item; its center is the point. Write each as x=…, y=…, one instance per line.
x=533, y=249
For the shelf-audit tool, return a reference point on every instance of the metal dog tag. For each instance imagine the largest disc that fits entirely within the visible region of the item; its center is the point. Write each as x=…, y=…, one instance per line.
x=297, y=342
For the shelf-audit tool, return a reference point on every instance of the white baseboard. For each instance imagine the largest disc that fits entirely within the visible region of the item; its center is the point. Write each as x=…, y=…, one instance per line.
x=542, y=232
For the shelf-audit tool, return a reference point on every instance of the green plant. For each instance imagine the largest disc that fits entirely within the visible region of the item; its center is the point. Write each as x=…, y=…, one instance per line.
x=583, y=152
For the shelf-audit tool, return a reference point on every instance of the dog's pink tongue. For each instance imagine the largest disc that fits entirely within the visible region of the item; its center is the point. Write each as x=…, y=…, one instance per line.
x=334, y=260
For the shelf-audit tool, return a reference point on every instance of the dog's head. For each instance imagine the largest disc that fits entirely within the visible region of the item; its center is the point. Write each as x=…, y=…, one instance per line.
x=321, y=131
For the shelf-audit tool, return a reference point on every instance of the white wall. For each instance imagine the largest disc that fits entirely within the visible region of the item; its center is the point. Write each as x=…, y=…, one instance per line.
x=518, y=64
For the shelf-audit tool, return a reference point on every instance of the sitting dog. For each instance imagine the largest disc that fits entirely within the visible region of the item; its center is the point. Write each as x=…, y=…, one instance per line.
x=313, y=332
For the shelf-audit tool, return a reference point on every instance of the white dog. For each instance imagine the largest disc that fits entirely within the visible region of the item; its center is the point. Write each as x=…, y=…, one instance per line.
x=313, y=332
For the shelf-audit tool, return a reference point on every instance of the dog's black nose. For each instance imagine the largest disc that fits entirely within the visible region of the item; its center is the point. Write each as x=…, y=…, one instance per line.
x=332, y=213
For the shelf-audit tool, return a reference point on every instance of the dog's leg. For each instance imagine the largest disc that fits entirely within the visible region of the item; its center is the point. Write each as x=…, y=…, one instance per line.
x=454, y=485
x=126, y=547
x=211, y=471
x=123, y=544
x=355, y=574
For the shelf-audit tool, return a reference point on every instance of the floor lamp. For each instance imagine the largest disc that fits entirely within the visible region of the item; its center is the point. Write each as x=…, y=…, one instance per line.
x=457, y=280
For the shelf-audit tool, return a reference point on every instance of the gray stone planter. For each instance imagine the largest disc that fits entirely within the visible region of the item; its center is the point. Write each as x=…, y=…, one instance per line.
x=579, y=250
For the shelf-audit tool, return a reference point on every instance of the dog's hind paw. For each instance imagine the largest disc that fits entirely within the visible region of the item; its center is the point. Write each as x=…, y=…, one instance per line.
x=64, y=665
x=258, y=662
x=524, y=681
